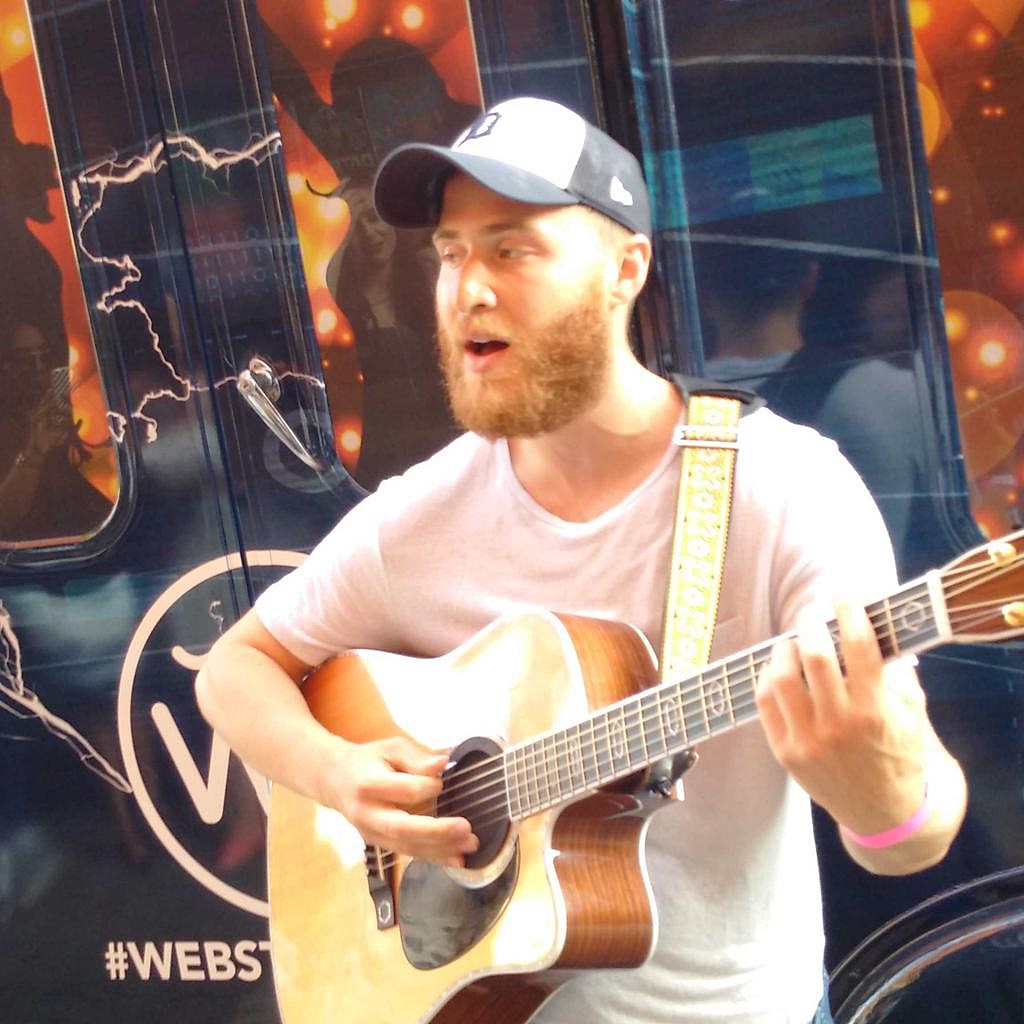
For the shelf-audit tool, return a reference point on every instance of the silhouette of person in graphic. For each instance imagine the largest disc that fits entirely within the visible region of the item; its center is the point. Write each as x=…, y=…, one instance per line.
x=383, y=92
x=42, y=494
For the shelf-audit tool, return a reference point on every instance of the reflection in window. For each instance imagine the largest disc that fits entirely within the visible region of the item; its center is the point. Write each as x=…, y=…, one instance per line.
x=58, y=476
x=813, y=279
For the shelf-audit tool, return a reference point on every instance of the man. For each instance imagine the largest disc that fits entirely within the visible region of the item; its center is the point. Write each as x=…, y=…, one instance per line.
x=562, y=496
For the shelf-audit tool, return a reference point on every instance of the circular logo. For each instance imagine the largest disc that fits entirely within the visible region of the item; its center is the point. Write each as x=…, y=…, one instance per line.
x=160, y=732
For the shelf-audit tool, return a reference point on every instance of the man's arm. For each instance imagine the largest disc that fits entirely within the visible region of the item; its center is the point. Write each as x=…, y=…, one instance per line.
x=862, y=745
x=249, y=691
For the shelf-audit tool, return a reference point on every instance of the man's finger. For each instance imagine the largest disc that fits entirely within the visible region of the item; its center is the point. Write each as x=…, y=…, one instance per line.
x=861, y=654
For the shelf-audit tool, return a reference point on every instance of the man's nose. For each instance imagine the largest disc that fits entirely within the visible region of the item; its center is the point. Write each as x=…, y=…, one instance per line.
x=475, y=291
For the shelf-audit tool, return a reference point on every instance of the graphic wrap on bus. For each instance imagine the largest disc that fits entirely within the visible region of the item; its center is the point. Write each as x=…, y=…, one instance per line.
x=235, y=350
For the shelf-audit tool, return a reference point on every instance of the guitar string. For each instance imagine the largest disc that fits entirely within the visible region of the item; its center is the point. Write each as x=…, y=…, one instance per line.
x=638, y=721
x=499, y=804
x=494, y=766
x=687, y=688
x=536, y=761
x=600, y=747
x=881, y=616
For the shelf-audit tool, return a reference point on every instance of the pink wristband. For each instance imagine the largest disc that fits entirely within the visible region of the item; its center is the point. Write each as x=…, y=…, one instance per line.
x=896, y=834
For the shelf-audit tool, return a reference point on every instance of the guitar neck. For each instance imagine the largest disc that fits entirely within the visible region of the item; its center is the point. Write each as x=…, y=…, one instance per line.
x=631, y=735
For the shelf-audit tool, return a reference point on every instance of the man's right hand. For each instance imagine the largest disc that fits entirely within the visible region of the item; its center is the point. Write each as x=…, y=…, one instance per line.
x=386, y=789
x=249, y=690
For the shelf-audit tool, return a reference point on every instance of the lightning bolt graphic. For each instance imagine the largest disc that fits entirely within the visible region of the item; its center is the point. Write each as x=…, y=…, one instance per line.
x=21, y=702
x=88, y=192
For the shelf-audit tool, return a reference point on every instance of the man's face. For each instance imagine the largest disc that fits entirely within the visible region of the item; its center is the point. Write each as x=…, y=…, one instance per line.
x=26, y=367
x=523, y=312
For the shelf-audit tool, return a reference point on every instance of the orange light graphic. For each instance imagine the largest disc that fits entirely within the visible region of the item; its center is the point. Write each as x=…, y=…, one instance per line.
x=956, y=324
x=921, y=14
x=992, y=353
x=339, y=11
x=326, y=321
x=981, y=37
x=1002, y=232
x=412, y=17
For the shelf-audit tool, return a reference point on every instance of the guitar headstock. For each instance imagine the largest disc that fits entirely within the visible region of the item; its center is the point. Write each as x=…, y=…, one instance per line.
x=984, y=591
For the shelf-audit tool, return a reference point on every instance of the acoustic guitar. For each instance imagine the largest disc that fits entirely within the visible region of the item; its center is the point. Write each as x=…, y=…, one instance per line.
x=569, y=733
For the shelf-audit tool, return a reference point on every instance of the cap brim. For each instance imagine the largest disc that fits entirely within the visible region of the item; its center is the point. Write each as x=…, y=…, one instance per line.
x=409, y=186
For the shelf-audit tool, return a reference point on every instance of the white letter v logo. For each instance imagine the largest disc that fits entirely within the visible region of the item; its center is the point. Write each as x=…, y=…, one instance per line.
x=208, y=796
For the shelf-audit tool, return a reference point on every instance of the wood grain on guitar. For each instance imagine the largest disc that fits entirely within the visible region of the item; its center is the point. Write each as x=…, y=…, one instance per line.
x=554, y=721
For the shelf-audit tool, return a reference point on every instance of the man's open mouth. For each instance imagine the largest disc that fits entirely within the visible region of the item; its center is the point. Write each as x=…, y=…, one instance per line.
x=483, y=348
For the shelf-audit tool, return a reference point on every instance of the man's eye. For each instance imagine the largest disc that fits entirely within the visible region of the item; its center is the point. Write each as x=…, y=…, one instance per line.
x=509, y=252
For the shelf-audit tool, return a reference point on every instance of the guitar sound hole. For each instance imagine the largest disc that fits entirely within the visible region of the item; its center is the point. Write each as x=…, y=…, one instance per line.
x=473, y=787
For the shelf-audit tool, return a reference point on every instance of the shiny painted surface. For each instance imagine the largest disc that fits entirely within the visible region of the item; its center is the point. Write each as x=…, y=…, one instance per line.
x=959, y=956
x=132, y=880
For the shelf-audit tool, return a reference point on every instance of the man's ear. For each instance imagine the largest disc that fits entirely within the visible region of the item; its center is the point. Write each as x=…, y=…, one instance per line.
x=633, y=265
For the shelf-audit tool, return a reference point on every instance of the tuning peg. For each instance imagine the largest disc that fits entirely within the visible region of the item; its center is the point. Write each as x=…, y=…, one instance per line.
x=1001, y=552
x=1013, y=614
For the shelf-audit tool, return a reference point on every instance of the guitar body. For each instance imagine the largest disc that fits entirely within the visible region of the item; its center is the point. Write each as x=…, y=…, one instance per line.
x=566, y=891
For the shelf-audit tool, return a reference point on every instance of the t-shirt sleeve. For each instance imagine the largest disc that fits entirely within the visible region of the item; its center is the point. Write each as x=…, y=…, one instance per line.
x=833, y=543
x=338, y=598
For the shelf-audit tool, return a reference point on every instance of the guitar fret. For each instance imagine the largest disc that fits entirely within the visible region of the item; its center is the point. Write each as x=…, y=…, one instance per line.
x=531, y=776
x=650, y=716
x=660, y=715
x=516, y=809
x=552, y=769
x=714, y=694
x=675, y=715
x=595, y=764
x=693, y=716
x=636, y=747
x=640, y=742
x=916, y=620
x=728, y=694
x=577, y=769
x=561, y=762
x=546, y=770
x=622, y=731
x=608, y=744
x=892, y=632
x=704, y=704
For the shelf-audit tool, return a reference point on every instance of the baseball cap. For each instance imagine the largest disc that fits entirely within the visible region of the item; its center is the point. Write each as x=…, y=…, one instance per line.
x=527, y=149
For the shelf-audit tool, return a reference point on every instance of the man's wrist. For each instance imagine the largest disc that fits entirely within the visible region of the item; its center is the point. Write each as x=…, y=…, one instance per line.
x=898, y=833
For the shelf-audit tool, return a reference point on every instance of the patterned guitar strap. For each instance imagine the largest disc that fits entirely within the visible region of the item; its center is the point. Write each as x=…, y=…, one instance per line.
x=709, y=440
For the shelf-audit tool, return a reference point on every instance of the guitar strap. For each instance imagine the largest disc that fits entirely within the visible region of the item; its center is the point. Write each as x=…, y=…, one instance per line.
x=709, y=439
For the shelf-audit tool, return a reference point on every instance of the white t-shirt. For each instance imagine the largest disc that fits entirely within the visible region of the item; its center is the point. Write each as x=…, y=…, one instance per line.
x=436, y=554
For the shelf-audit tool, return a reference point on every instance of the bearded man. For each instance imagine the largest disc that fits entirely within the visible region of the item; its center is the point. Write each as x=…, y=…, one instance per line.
x=562, y=495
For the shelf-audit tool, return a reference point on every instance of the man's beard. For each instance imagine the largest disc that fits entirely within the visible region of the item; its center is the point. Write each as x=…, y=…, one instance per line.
x=559, y=373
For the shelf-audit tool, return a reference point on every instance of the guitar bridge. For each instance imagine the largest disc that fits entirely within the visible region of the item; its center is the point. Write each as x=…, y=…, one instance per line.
x=378, y=879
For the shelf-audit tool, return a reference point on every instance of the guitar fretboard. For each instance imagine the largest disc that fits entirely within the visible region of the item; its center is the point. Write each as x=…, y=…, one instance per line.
x=631, y=735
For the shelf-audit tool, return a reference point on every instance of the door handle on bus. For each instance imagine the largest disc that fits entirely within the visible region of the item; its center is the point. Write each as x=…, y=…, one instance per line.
x=259, y=386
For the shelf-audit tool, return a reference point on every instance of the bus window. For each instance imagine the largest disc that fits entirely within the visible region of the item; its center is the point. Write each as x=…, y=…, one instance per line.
x=802, y=209
x=59, y=475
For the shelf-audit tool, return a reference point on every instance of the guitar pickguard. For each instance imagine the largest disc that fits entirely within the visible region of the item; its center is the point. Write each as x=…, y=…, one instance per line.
x=439, y=918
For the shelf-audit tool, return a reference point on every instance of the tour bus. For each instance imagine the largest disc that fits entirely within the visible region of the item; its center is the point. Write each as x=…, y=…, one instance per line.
x=212, y=349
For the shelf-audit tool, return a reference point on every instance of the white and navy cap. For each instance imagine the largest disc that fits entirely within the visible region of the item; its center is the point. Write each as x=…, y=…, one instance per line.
x=530, y=150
